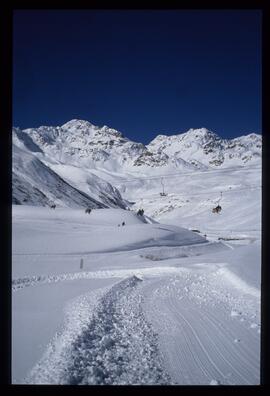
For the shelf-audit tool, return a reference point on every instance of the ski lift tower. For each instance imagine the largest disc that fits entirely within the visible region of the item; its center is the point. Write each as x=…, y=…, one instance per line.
x=163, y=194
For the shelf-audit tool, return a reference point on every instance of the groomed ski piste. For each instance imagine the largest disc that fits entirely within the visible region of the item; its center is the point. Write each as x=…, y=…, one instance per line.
x=150, y=302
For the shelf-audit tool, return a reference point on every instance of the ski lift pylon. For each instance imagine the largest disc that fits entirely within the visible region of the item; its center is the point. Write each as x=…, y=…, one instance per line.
x=163, y=194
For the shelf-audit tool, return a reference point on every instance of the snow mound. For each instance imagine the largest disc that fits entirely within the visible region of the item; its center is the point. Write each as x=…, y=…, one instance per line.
x=214, y=382
x=103, y=230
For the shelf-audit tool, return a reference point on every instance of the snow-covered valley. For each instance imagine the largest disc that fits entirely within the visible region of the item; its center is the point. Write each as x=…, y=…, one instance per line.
x=112, y=297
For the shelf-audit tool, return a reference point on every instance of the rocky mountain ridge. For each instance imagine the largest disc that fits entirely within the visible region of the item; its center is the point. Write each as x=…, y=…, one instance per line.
x=82, y=143
x=82, y=154
x=206, y=147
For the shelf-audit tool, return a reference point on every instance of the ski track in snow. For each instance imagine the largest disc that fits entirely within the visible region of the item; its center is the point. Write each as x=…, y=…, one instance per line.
x=212, y=323
x=112, y=346
x=213, y=314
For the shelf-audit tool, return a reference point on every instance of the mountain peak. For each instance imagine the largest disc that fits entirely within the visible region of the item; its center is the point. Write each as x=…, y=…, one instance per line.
x=77, y=124
x=206, y=147
x=199, y=130
x=194, y=133
x=200, y=133
x=79, y=142
x=110, y=131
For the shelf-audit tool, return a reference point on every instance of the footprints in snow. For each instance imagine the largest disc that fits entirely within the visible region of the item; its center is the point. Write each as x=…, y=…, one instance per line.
x=116, y=347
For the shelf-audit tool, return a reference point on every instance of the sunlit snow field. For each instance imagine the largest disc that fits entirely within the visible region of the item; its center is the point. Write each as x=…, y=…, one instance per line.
x=149, y=302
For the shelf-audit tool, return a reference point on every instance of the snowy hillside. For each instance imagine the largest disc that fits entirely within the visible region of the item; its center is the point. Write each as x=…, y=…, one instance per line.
x=97, y=303
x=201, y=146
x=33, y=183
x=83, y=144
x=191, y=196
x=36, y=181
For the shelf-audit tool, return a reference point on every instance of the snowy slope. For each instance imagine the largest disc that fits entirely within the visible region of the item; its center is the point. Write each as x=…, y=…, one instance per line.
x=153, y=304
x=85, y=180
x=191, y=196
x=38, y=180
x=103, y=232
x=36, y=184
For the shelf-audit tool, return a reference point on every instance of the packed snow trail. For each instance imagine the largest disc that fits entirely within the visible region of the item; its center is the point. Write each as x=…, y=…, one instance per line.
x=117, y=346
x=217, y=328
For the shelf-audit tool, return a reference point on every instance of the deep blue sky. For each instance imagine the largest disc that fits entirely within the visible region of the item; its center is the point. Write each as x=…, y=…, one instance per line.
x=141, y=72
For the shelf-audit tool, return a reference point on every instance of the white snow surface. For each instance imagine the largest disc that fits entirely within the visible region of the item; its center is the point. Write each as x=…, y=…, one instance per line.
x=141, y=310
x=111, y=297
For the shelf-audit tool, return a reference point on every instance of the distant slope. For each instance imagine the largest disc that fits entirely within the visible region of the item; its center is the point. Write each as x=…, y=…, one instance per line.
x=80, y=179
x=36, y=184
x=84, y=180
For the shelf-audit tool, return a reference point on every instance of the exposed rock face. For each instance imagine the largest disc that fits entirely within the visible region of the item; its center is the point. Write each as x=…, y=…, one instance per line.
x=152, y=159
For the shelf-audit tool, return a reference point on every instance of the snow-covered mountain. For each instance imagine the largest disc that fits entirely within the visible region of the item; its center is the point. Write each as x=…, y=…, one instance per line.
x=201, y=146
x=81, y=143
x=83, y=156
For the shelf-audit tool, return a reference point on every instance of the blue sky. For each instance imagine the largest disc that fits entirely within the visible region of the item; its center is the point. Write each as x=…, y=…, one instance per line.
x=141, y=72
